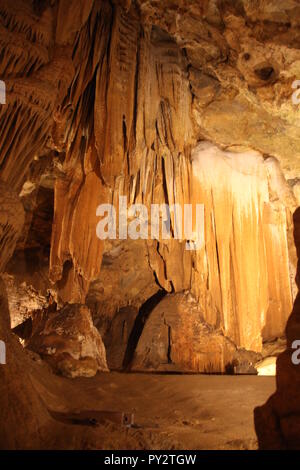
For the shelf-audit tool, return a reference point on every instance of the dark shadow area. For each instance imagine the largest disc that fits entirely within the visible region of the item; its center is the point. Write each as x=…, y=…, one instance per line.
x=117, y=336
x=67, y=269
x=24, y=330
x=138, y=326
x=277, y=422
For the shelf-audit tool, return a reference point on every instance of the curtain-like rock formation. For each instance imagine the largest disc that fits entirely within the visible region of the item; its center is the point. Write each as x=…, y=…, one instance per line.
x=164, y=103
x=11, y=222
x=139, y=143
x=246, y=245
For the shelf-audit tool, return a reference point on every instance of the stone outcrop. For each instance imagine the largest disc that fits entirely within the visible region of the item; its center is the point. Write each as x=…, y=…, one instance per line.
x=176, y=338
x=23, y=299
x=124, y=330
x=119, y=286
x=137, y=146
x=19, y=401
x=117, y=337
x=35, y=78
x=68, y=340
x=126, y=119
x=174, y=102
x=277, y=422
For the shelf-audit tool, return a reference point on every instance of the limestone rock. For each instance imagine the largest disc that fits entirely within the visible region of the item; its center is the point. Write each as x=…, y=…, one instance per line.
x=27, y=272
x=11, y=222
x=18, y=400
x=23, y=299
x=245, y=242
x=266, y=366
x=243, y=227
x=161, y=80
x=277, y=422
x=176, y=338
x=168, y=102
x=117, y=337
x=119, y=286
x=68, y=340
x=73, y=230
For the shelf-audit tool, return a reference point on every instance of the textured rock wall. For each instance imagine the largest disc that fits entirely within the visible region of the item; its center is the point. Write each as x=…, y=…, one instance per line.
x=152, y=92
x=246, y=253
x=11, y=222
x=37, y=75
x=18, y=400
x=68, y=340
x=121, y=94
x=277, y=422
x=176, y=338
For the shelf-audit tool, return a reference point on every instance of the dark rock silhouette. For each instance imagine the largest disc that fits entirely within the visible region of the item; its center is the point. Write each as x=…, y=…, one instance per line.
x=277, y=423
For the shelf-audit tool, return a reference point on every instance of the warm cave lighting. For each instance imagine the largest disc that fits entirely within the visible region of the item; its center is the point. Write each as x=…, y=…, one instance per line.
x=2, y=92
x=267, y=366
x=149, y=229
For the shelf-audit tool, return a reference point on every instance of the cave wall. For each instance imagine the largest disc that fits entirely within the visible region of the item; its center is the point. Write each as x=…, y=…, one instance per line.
x=152, y=98
x=164, y=103
x=137, y=94
x=37, y=68
x=277, y=421
x=126, y=99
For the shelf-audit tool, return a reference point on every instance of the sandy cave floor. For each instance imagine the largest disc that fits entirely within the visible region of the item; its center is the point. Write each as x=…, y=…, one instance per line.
x=171, y=411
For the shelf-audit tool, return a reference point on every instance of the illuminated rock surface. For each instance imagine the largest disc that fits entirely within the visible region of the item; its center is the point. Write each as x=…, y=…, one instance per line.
x=166, y=103
x=68, y=340
x=176, y=339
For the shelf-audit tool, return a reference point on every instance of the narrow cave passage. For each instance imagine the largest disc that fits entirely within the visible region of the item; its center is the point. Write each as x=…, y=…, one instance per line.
x=138, y=326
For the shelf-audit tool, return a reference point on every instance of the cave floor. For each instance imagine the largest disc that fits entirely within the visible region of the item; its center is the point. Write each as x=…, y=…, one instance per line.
x=171, y=411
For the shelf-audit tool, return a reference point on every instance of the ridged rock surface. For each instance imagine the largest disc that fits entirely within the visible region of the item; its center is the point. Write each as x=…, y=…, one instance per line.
x=11, y=222
x=176, y=339
x=162, y=102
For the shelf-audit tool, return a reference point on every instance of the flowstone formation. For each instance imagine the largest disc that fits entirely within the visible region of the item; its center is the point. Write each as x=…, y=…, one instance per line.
x=162, y=103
